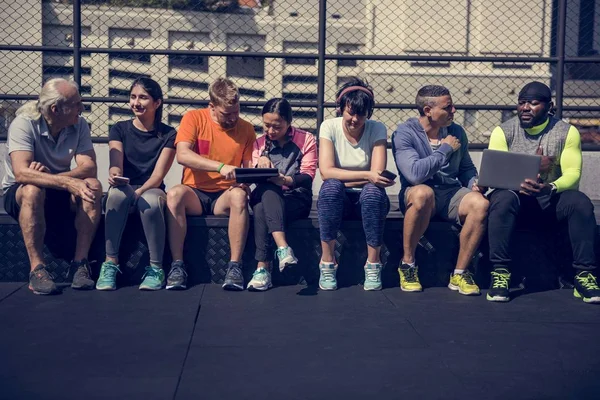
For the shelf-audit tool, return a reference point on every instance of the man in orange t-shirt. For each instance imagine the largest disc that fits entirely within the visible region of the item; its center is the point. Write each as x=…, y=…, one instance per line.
x=211, y=143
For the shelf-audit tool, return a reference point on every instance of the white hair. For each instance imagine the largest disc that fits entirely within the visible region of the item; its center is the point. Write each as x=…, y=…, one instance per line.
x=49, y=96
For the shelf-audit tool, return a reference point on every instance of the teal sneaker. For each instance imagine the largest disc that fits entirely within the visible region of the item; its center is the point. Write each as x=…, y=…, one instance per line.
x=373, y=276
x=153, y=279
x=286, y=257
x=261, y=281
x=108, y=276
x=327, y=280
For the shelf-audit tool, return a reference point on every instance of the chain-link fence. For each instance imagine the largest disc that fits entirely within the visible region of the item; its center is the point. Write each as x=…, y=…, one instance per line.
x=484, y=51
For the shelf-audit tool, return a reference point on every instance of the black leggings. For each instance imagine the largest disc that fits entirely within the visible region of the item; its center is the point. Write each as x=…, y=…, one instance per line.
x=272, y=209
x=571, y=206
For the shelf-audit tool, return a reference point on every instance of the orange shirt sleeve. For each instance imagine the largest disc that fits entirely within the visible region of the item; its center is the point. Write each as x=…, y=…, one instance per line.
x=188, y=128
x=247, y=156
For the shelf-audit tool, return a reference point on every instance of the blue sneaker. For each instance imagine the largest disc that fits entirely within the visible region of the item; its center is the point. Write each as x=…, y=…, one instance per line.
x=108, y=276
x=373, y=276
x=153, y=279
x=327, y=279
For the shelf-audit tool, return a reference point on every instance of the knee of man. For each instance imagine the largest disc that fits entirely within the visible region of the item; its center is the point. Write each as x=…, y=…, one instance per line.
x=238, y=198
x=579, y=201
x=504, y=197
x=478, y=204
x=32, y=194
x=94, y=184
x=421, y=196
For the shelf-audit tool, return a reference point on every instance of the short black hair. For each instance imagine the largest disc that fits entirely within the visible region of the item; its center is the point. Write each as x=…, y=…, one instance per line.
x=279, y=106
x=359, y=102
x=427, y=93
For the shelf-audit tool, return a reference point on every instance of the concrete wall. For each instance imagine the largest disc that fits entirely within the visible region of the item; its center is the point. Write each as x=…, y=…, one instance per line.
x=590, y=183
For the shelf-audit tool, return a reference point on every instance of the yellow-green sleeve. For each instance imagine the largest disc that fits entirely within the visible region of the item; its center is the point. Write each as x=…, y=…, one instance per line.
x=571, y=161
x=498, y=140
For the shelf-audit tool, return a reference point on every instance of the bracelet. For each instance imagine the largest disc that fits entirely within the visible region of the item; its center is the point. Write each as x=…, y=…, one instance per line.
x=220, y=167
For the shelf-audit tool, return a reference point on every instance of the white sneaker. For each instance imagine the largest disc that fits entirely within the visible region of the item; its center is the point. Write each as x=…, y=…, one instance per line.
x=261, y=281
x=286, y=257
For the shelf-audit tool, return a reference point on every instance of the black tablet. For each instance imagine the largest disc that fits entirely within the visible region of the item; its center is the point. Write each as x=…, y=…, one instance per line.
x=255, y=175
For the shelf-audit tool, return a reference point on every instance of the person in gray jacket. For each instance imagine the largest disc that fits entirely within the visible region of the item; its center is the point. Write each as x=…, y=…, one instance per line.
x=438, y=179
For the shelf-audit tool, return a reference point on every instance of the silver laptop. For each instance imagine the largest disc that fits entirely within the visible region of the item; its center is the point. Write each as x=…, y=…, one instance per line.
x=506, y=170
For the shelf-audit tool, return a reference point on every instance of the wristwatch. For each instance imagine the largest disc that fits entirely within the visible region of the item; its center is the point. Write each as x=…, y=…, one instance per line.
x=553, y=189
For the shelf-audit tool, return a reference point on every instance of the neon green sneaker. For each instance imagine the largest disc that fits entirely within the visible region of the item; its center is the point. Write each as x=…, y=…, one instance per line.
x=586, y=287
x=108, y=276
x=464, y=283
x=409, y=278
x=153, y=279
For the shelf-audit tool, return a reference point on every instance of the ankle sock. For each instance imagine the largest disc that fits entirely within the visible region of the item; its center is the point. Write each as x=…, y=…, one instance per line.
x=459, y=271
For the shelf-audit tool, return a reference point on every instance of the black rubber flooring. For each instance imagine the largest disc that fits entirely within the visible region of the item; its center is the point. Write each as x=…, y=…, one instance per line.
x=296, y=343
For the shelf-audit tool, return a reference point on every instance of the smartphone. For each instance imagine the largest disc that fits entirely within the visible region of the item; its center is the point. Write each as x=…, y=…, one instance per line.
x=388, y=175
x=121, y=179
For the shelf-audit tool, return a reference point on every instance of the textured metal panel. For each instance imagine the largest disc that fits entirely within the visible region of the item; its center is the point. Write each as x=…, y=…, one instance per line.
x=539, y=256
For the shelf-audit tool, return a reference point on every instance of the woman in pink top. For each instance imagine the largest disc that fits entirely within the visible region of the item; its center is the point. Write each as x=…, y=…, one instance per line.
x=285, y=198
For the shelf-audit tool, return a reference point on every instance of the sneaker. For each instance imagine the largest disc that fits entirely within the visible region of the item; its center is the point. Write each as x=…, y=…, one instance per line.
x=409, y=278
x=372, y=276
x=177, y=279
x=586, y=287
x=82, y=280
x=234, y=279
x=464, y=283
x=499, y=285
x=41, y=281
x=286, y=257
x=153, y=279
x=327, y=280
x=108, y=276
x=261, y=281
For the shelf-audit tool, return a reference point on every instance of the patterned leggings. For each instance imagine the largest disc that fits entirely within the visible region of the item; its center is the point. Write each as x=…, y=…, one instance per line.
x=371, y=204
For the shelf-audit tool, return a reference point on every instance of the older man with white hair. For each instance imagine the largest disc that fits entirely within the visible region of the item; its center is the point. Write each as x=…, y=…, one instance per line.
x=41, y=190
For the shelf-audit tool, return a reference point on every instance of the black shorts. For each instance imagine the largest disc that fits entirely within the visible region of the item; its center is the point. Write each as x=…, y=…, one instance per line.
x=60, y=219
x=207, y=200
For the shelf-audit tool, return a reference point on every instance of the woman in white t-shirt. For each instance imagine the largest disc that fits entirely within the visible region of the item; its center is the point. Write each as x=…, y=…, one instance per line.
x=352, y=155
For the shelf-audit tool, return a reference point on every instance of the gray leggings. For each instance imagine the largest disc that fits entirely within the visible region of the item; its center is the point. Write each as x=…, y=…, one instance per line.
x=150, y=205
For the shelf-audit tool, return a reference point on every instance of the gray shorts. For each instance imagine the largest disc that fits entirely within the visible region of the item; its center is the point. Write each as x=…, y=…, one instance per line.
x=447, y=201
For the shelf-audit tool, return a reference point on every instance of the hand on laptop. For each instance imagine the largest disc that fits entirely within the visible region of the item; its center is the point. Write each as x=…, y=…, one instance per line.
x=228, y=171
x=452, y=141
x=533, y=188
x=477, y=188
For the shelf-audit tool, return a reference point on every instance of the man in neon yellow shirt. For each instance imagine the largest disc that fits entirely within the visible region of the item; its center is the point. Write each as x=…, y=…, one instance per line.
x=552, y=199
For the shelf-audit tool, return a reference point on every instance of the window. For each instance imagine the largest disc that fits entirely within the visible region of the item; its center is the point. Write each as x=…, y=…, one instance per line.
x=348, y=49
x=246, y=67
x=300, y=47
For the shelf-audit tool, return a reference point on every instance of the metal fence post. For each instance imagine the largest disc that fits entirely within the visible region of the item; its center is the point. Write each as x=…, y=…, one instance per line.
x=77, y=42
x=561, y=34
x=321, y=62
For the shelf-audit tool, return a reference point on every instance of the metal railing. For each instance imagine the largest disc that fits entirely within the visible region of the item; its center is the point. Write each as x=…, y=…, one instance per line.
x=555, y=60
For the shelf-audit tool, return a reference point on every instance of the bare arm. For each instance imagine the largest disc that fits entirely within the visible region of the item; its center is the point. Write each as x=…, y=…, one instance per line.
x=86, y=166
x=21, y=160
x=165, y=160
x=189, y=158
x=28, y=172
